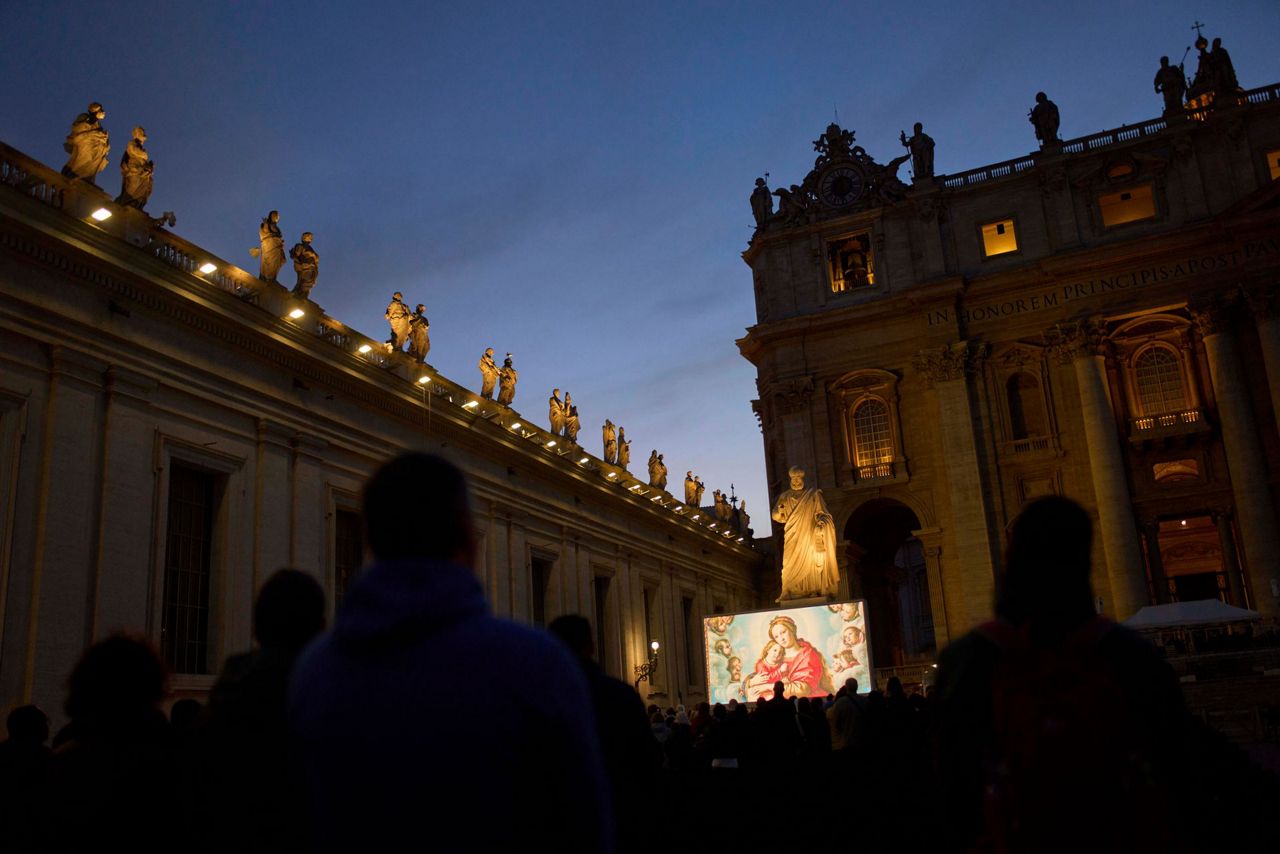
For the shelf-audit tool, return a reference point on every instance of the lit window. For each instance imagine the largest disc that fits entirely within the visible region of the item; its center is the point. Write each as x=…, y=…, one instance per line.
x=999, y=238
x=1131, y=205
x=849, y=263
x=1159, y=376
x=1273, y=163
x=873, y=442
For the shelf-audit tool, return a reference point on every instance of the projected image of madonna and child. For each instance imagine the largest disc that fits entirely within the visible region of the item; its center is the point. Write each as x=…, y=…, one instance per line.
x=812, y=650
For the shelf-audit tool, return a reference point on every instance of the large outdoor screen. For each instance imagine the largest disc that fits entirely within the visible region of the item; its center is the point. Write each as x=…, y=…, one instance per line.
x=813, y=649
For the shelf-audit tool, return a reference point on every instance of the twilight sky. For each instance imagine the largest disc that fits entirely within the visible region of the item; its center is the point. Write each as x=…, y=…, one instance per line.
x=569, y=181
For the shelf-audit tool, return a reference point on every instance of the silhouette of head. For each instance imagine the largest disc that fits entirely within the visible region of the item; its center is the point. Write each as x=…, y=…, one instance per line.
x=289, y=611
x=1041, y=97
x=1164, y=60
x=851, y=685
x=1217, y=43
x=1046, y=580
x=574, y=631
x=779, y=688
x=416, y=506
x=28, y=724
x=116, y=678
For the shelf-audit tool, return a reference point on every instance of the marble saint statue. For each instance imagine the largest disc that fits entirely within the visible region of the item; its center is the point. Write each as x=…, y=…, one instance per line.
x=488, y=373
x=624, y=448
x=270, y=250
x=699, y=488
x=808, y=542
x=555, y=412
x=419, y=334
x=1171, y=82
x=690, y=489
x=306, y=263
x=761, y=203
x=610, y=435
x=136, y=170
x=88, y=145
x=744, y=521
x=572, y=424
x=653, y=467
x=400, y=318
x=921, y=147
x=507, y=377
x=1044, y=117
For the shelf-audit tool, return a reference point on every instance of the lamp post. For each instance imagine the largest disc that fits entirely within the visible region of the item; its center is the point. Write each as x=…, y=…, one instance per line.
x=649, y=668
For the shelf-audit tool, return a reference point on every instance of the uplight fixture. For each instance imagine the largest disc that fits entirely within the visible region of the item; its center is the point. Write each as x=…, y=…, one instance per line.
x=296, y=313
x=516, y=426
x=583, y=460
x=471, y=404
x=208, y=267
x=551, y=444
x=364, y=348
x=424, y=379
x=101, y=214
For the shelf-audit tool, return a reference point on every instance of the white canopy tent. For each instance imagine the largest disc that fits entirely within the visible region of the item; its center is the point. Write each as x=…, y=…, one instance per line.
x=1182, y=615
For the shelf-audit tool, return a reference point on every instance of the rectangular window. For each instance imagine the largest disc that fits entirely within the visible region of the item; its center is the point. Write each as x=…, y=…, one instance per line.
x=602, y=617
x=184, y=622
x=348, y=551
x=999, y=238
x=540, y=583
x=1273, y=164
x=690, y=639
x=849, y=263
x=1128, y=205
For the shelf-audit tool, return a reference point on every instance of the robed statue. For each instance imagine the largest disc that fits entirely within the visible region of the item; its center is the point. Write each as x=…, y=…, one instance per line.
x=507, y=378
x=88, y=145
x=306, y=264
x=419, y=334
x=610, y=435
x=761, y=203
x=920, y=144
x=1045, y=119
x=488, y=373
x=808, y=543
x=136, y=171
x=270, y=251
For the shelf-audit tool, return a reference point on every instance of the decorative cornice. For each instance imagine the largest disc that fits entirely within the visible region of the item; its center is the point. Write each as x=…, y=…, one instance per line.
x=952, y=362
x=1216, y=315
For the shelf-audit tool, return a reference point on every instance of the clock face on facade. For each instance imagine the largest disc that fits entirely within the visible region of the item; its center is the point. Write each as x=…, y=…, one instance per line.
x=840, y=186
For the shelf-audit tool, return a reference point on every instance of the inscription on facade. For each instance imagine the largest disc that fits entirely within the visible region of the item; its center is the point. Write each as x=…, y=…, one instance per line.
x=1137, y=278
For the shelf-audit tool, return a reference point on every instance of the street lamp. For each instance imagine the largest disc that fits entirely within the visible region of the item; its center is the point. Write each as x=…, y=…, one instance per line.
x=650, y=668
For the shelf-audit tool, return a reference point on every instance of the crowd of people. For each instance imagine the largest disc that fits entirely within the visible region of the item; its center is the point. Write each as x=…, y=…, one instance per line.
x=419, y=719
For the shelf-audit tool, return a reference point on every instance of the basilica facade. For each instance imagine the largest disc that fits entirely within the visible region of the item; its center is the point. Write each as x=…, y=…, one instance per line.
x=1097, y=320
x=173, y=429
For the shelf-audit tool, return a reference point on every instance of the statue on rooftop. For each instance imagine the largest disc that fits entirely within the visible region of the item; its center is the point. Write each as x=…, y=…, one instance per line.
x=1172, y=83
x=744, y=521
x=888, y=185
x=89, y=145
x=1206, y=80
x=793, y=205
x=419, y=339
x=572, y=424
x=921, y=147
x=1044, y=117
x=610, y=442
x=836, y=142
x=661, y=481
x=306, y=263
x=653, y=467
x=690, y=490
x=1224, y=69
x=761, y=203
x=488, y=373
x=400, y=318
x=624, y=448
x=270, y=251
x=556, y=412
x=507, y=377
x=808, y=544
x=699, y=487
x=136, y=170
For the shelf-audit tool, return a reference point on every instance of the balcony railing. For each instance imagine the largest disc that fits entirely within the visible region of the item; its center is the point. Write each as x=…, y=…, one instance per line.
x=1167, y=424
x=876, y=471
x=1028, y=445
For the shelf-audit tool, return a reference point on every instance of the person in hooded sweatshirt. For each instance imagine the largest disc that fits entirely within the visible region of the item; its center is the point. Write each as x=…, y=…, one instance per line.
x=385, y=733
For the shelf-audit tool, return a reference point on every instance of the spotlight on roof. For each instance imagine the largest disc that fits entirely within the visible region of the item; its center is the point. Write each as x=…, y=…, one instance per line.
x=424, y=379
x=583, y=460
x=471, y=404
x=516, y=426
x=101, y=214
x=208, y=267
x=364, y=348
x=296, y=313
x=551, y=444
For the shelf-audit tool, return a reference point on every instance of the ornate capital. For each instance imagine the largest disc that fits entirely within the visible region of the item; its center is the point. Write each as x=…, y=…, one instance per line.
x=791, y=396
x=1217, y=315
x=1076, y=339
x=1264, y=303
x=952, y=362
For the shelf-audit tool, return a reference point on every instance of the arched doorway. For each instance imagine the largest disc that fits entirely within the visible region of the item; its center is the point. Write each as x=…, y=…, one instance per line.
x=888, y=569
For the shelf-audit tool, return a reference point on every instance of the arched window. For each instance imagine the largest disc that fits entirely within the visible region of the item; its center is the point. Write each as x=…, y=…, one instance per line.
x=1026, y=409
x=872, y=436
x=1159, y=376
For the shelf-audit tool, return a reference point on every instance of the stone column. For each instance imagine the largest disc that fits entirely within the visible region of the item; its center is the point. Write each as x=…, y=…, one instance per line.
x=1255, y=511
x=1159, y=584
x=1265, y=306
x=790, y=400
x=948, y=370
x=930, y=538
x=1082, y=345
x=1230, y=561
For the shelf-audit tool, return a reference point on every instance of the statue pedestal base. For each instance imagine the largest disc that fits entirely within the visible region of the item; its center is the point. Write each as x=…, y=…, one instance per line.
x=806, y=602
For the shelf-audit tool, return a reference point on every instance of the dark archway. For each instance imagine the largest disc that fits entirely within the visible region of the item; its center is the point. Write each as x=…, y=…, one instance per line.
x=889, y=571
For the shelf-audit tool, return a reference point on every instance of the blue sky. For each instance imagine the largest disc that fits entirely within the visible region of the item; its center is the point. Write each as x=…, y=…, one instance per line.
x=566, y=181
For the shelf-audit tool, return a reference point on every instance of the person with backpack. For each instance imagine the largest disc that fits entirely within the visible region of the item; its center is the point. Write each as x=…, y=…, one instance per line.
x=1058, y=730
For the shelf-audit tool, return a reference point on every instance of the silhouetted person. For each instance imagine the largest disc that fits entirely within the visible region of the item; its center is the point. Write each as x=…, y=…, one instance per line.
x=253, y=798
x=1057, y=729
x=24, y=760
x=388, y=751
x=184, y=717
x=110, y=785
x=631, y=755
